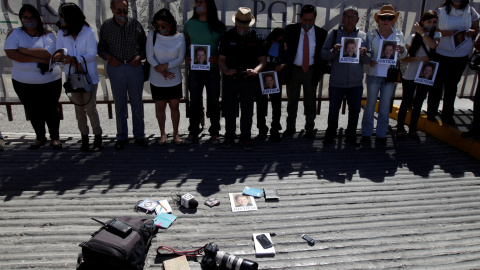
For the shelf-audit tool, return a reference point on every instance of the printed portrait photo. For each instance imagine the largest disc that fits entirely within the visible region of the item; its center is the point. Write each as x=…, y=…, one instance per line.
x=387, y=52
x=350, y=52
x=240, y=202
x=200, y=55
x=269, y=82
x=426, y=73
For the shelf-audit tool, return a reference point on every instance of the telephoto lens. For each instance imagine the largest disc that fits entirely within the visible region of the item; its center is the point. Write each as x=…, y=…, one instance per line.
x=232, y=262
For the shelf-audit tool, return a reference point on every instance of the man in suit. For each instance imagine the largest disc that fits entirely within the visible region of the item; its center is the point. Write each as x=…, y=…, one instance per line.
x=304, y=43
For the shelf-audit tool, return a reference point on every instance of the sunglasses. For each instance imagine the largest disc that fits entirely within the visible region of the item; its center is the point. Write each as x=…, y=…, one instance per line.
x=385, y=18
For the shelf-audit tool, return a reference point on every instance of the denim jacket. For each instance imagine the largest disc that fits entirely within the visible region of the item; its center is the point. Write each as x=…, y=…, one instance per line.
x=373, y=41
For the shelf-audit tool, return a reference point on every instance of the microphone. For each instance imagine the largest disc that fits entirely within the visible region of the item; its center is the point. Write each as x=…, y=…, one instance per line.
x=188, y=201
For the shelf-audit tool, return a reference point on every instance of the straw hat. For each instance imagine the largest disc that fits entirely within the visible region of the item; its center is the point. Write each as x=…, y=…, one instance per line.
x=243, y=17
x=387, y=10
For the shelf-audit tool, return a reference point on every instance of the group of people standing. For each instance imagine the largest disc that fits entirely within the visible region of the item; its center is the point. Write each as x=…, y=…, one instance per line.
x=299, y=54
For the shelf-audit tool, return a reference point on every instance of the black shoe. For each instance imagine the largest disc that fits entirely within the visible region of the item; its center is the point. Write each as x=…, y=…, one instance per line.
x=381, y=141
x=261, y=136
x=85, y=144
x=227, y=143
x=246, y=145
x=37, y=144
x=275, y=137
x=352, y=141
x=448, y=121
x=414, y=136
x=470, y=135
x=432, y=119
x=288, y=132
x=56, y=145
x=401, y=135
x=97, y=143
x=328, y=140
x=120, y=144
x=190, y=139
x=366, y=139
x=141, y=142
x=310, y=134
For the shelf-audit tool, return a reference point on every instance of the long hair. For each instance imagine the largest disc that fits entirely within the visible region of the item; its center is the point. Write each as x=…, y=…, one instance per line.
x=448, y=5
x=274, y=35
x=212, y=17
x=166, y=16
x=35, y=14
x=74, y=18
x=418, y=39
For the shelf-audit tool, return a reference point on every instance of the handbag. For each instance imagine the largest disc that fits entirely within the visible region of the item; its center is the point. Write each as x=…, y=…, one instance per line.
x=474, y=61
x=146, y=65
x=78, y=82
x=394, y=74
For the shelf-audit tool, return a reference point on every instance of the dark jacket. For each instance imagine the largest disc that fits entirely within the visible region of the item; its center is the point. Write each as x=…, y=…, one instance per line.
x=292, y=37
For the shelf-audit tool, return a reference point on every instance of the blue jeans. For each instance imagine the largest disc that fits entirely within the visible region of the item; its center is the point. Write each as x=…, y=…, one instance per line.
x=354, y=100
x=127, y=85
x=197, y=79
x=376, y=85
x=235, y=91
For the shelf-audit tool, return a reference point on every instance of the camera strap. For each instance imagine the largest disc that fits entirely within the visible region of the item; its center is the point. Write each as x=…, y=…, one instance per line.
x=192, y=253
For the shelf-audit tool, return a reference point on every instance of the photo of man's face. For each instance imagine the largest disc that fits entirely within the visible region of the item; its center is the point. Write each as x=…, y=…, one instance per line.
x=269, y=82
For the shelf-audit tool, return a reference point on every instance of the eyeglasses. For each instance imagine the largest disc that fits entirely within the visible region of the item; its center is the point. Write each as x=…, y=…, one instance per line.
x=389, y=18
x=29, y=19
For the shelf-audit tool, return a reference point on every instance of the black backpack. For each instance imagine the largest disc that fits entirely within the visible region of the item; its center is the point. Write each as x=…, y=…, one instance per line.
x=107, y=250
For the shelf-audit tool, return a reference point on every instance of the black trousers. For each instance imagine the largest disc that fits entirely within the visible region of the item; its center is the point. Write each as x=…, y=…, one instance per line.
x=262, y=109
x=449, y=73
x=41, y=103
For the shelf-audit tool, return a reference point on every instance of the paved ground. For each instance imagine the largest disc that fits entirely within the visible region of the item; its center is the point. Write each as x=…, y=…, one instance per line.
x=406, y=205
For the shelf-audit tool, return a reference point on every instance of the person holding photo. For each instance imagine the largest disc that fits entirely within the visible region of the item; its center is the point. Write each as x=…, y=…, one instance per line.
x=204, y=27
x=30, y=48
x=275, y=51
x=79, y=39
x=350, y=48
x=377, y=73
x=346, y=79
x=414, y=94
x=200, y=56
x=453, y=16
x=165, y=58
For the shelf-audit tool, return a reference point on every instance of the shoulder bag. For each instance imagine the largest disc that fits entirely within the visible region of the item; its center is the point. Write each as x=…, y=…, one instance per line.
x=78, y=82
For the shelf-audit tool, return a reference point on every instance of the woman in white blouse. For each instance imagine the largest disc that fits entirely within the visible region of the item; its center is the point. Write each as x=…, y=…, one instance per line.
x=30, y=48
x=453, y=16
x=165, y=53
x=79, y=39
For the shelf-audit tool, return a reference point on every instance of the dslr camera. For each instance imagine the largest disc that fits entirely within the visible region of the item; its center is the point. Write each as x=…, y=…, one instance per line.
x=213, y=257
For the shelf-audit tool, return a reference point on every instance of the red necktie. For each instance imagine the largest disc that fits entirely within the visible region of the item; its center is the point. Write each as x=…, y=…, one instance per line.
x=306, y=54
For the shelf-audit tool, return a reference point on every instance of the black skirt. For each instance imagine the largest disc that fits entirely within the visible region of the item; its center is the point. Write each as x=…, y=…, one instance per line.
x=166, y=93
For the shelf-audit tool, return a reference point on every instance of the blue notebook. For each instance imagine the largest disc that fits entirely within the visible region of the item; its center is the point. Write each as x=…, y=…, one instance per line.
x=253, y=192
x=164, y=220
